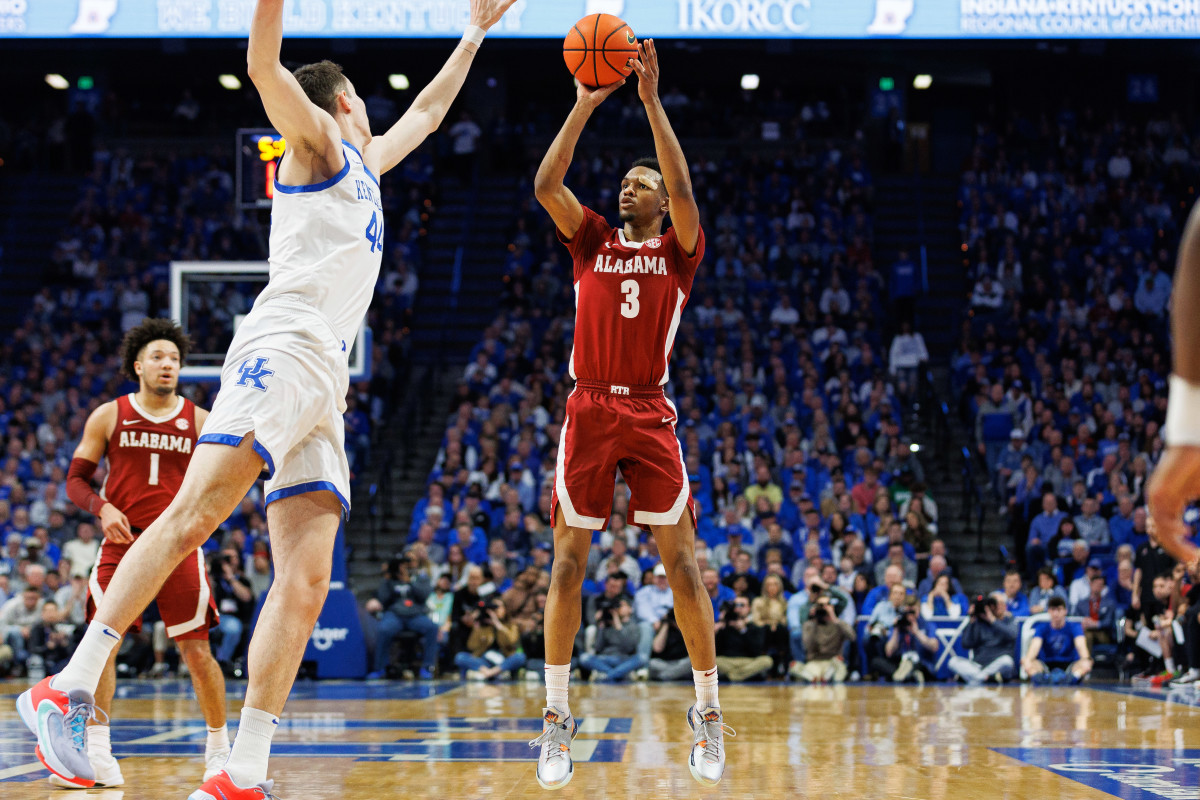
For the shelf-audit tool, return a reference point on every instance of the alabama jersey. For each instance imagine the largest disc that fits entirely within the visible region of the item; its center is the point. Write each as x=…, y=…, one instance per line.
x=147, y=458
x=628, y=297
x=327, y=244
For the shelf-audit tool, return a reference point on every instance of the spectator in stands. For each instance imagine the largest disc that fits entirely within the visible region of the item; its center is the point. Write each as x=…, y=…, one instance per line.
x=1015, y=601
x=1092, y=526
x=1041, y=530
x=896, y=557
x=401, y=602
x=825, y=640
x=993, y=425
x=258, y=572
x=989, y=637
x=718, y=592
x=763, y=486
x=1058, y=653
x=614, y=653
x=619, y=558
x=741, y=645
x=937, y=567
x=908, y=643
x=1047, y=587
x=81, y=551
x=18, y=615
x=1081, y=587
x=943, y=601
x=1150, y=561
x=493, y=648
x=1098, y=612
x=50, y=640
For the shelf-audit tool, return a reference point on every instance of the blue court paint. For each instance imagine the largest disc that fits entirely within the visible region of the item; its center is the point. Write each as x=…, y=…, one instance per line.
x=1141, y=774
x=325, y=690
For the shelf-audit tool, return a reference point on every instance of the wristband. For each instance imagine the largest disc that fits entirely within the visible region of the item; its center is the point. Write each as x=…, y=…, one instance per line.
x=473, y=34
x=1183, y=413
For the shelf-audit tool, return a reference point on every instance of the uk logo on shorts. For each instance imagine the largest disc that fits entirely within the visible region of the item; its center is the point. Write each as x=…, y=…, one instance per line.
x=253, y=376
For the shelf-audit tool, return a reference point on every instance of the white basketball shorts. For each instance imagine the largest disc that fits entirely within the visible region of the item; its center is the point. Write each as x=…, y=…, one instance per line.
x=285, y=379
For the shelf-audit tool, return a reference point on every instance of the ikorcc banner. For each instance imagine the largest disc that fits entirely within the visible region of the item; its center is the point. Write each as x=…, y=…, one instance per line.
x=842, y=19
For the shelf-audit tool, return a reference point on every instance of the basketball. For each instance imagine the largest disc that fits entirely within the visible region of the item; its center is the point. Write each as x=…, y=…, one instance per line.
x=598, y=49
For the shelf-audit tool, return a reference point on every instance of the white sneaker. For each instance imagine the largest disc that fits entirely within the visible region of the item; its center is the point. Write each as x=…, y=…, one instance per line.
x=475, y=675
x=214, y=762
x=903, y=671
x=555, y=768
x=108, y=773
x=533, y=676
x=707, y=758
x=642, y=674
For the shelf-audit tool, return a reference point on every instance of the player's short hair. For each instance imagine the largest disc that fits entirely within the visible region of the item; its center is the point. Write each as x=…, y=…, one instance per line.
x=151, y=330
x=322, y=82
x=650, y=162
x=1056, y=602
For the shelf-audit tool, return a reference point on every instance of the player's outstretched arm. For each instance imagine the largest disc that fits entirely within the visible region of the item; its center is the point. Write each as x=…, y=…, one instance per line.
x=685, y=214
x=312, y=135
x=1176, y=479
x=559, y=201
x=91, y=448
x=428, y=110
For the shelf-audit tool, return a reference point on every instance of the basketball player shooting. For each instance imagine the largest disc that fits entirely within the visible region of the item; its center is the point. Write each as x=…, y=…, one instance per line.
x=631, y=285
x=283, y=389
x=148, y=438
x=1176, y=479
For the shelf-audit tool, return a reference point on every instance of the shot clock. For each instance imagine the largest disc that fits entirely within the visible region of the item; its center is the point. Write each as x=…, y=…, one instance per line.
x=258, y=152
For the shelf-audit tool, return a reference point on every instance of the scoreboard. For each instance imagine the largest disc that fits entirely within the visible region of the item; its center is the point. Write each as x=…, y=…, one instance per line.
x=258, y=152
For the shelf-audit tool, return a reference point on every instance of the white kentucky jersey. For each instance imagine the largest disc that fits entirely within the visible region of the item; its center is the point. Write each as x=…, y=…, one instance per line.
x=327, y=244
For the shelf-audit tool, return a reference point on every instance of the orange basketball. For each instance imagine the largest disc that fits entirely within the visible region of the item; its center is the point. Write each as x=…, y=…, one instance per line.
x=598, y=50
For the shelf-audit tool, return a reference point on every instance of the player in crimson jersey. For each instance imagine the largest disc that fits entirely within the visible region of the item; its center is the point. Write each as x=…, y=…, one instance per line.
x=631, y=285
x=148, y=438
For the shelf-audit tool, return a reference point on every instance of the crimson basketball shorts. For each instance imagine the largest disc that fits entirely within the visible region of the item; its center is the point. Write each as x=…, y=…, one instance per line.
x=185, y=601
x=627, y=427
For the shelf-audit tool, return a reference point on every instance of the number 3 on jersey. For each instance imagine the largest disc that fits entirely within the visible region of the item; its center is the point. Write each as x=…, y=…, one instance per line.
x=631, y=306
x=375, y=232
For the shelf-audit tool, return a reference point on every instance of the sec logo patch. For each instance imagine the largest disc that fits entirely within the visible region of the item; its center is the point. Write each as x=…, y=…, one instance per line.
x=182, y=424
x=654, y=243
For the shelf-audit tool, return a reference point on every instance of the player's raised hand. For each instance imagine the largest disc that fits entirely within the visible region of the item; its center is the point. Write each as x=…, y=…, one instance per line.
x=115, y=525
x=594, y=97
x=486, y=13
x=1174, y=484
x=646, y=67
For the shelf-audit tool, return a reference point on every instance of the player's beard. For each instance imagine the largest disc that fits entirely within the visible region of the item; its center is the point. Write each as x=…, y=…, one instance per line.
x=162, y=391
x=626, y=216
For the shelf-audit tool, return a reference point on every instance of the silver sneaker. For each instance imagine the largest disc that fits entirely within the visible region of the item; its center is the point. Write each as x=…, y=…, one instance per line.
x=707, y=759
x=59, y=720
x=108, y=773
x=555, y=768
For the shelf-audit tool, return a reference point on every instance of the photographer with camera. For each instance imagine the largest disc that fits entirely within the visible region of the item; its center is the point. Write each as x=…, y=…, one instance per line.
x=989, y=637
x=50, y=640
x=235, y=601
x=907, y=643
x=494, y=646
x=401, y=601
x=825, y=640
x=741, y=645
x=669, y=660
x=614, y=652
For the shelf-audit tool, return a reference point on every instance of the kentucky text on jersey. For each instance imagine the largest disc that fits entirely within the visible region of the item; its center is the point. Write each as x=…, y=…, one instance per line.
x=366, y=191
x=638, y=265
x=156, y=441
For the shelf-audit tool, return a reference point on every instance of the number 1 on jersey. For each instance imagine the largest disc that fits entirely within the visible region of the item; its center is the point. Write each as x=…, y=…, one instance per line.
x=154, y=469
x=375, y=232
x=631, y=306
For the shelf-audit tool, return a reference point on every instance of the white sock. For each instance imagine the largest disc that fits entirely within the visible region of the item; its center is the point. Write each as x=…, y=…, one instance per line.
x=99, y=740
x=84, y=669
x=218, y=740
x=247, y=764
x=1170, y=664
x=706, y=688
x=557, y=678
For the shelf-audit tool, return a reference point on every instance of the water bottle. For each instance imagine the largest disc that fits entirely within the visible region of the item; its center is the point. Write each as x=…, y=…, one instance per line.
x=36, y=668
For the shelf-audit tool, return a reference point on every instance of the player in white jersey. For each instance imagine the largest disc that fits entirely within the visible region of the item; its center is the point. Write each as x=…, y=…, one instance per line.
x=280, y=406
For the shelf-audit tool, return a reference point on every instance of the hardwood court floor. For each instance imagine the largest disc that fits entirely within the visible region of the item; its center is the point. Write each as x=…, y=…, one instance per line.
x=469, y=742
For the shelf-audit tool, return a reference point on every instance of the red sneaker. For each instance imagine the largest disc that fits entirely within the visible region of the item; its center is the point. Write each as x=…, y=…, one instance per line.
x=59, y=721
x=222, y=787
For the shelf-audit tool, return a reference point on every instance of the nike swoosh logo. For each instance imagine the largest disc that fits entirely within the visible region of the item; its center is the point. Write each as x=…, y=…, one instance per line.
x=668, y=419
x=130, y=421
x=710, y=674
x=107, y=632
x=608, y=245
